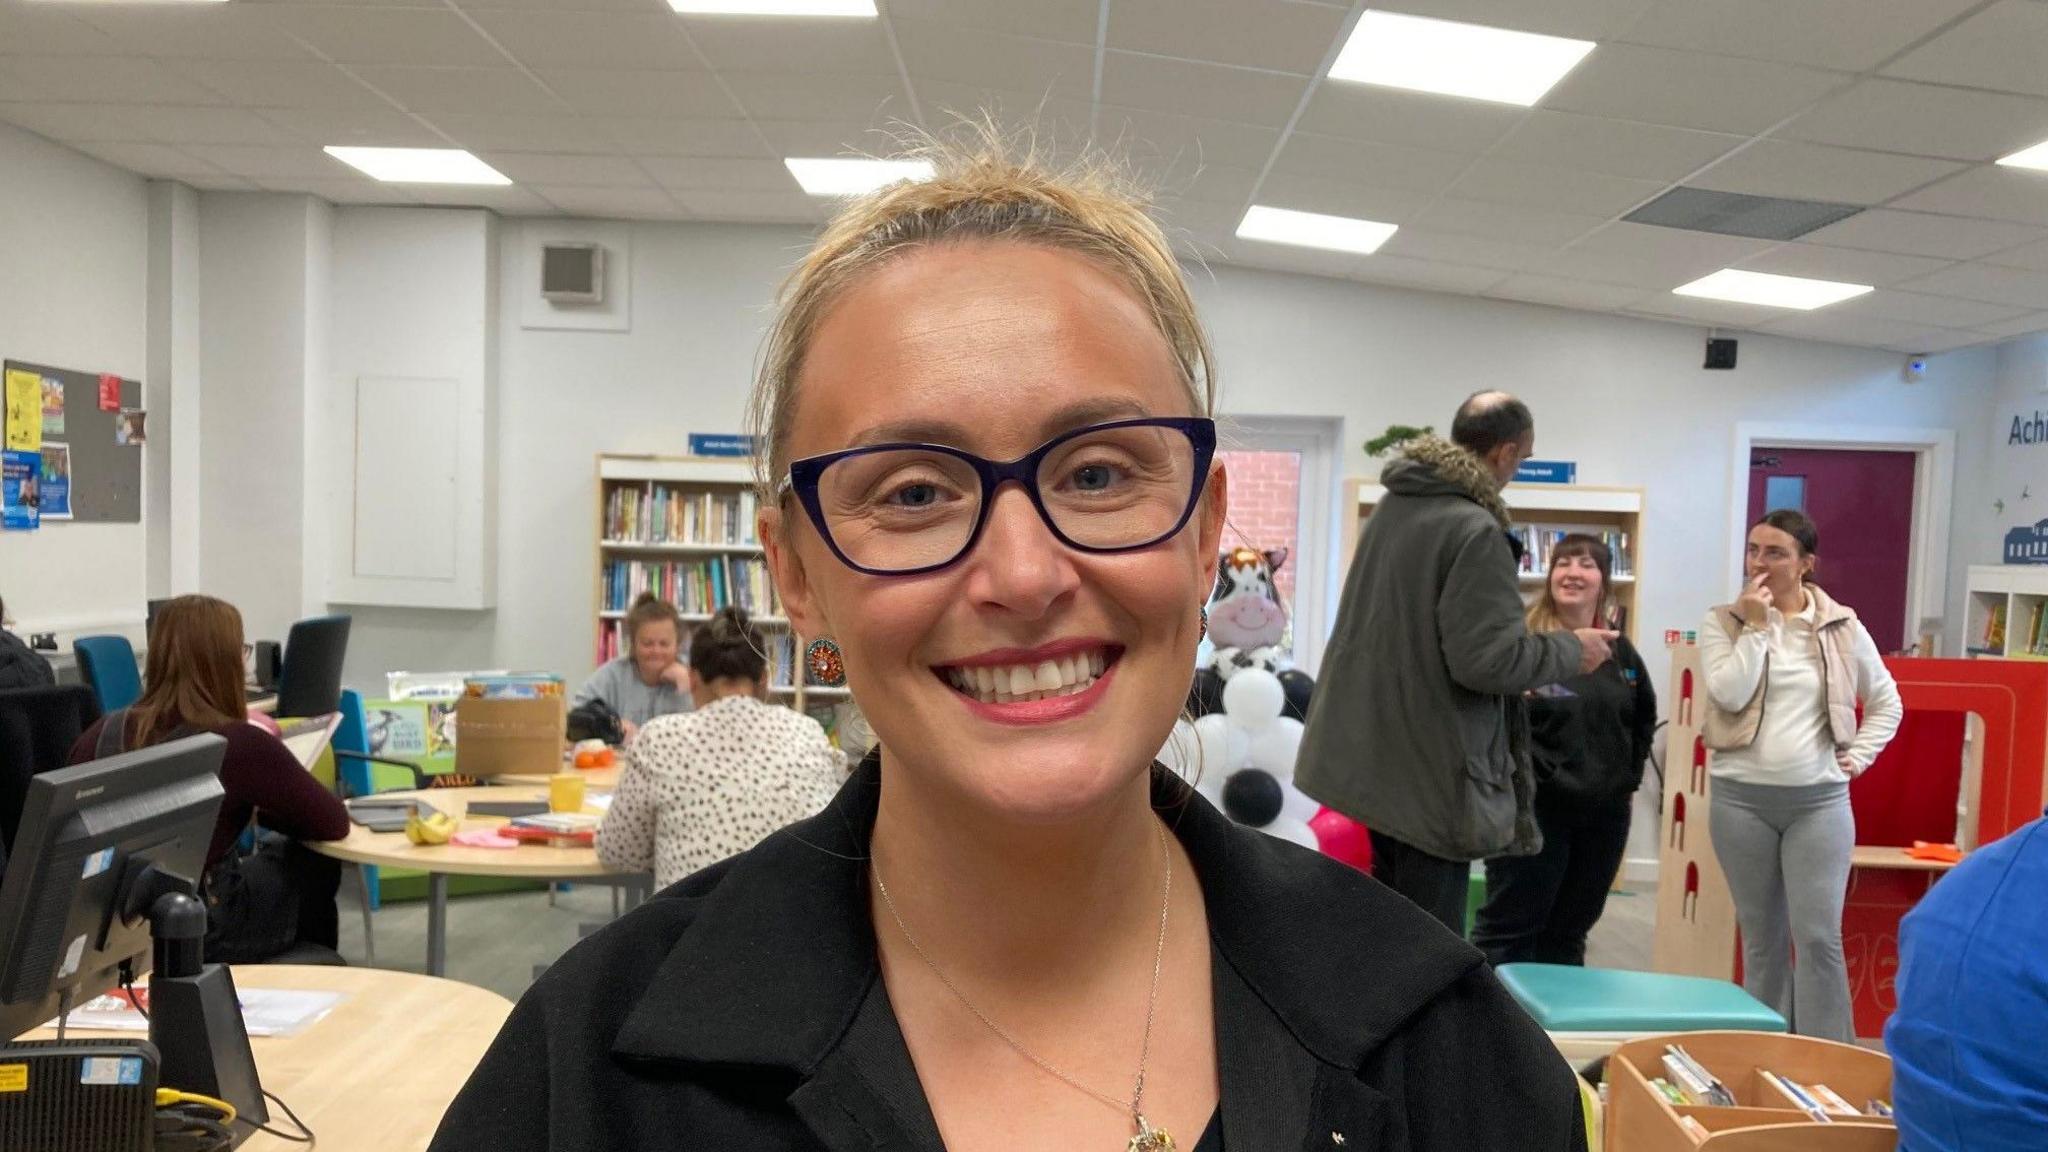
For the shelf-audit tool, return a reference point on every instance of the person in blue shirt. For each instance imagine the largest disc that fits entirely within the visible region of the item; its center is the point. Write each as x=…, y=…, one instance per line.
x=1968, y=1073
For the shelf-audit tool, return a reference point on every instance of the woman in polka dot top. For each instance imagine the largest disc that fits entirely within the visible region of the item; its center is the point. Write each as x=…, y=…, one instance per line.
x=704, y=785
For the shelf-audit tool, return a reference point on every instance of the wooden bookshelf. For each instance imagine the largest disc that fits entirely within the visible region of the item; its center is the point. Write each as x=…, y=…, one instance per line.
x=2007, y=612
x=1540, y=509
x=683, y=528
x=1764, y=1119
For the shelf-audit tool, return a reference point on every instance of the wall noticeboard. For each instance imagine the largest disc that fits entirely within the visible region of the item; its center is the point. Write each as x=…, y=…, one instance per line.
x=106, y=477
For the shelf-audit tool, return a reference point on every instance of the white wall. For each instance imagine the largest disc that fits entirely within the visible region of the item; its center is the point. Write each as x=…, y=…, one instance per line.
x=74, y=247
x=172, y=390
x=2015, y=473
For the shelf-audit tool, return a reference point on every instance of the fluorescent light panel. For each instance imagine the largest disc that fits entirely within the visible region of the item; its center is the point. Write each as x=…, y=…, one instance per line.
x=1771, y=291
x=1313, y=230
x=854, y=8
x=852, y=176
x=1454, y=59
x=2035, y=157
x=419, y=165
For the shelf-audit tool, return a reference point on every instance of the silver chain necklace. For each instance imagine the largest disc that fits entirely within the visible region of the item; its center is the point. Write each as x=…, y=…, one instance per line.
x=1148, y=1139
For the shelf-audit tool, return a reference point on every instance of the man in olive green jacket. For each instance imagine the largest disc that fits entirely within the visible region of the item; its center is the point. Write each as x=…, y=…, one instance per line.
x=1419, y=732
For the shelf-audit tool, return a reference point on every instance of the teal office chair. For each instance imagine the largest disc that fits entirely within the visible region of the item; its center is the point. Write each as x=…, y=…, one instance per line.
x=107, y=665
x=358, y=773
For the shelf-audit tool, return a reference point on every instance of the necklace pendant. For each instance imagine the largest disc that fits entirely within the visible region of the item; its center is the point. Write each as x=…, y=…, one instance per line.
x=1150, y=1139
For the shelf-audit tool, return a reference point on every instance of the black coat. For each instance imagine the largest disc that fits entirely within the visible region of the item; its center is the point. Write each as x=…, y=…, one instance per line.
x=743, y=1010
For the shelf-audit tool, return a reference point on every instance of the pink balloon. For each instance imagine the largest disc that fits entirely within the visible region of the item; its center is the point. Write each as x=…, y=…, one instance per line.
x=265, y=721
x=1343, y=839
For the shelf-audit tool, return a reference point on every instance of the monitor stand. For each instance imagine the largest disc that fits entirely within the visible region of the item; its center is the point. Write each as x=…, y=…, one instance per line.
x=195, y=1020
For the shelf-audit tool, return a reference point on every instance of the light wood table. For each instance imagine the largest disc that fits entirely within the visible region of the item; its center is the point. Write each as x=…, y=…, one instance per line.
x=440, y=861
x=1885, y=856
x=377, y=1073
x=600, y=778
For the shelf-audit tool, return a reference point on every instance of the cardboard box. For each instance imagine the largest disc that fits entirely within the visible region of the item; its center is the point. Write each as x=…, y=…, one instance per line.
x=497, y=737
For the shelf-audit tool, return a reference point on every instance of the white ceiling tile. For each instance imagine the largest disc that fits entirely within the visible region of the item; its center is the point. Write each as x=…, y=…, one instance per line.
x=1624, y=253
x=1925, y=119
x=1852, y=265
x=384, y=127
x=793, y=96
x=1286, y=258
x=1565, y=293
x=150, y=159
x=388, y=35
x=2030, y=256
x=197, y=31
x=568, y=169
x=1924, y=234
x=259, y=161
x=677, y=136
x=476, y=6
x=1826, y=325
x=616, y=92
x=719, y=173
x=1696, y=310
x=1545, y=186
x=176, y=124
x=757, y=207
x=2014, y=286
x=1920, y=308
x=220, y=183
x=1687, y=90
x=1181, y=142
x=1041, y=69
x=549, y=40
x=1852, y=35
x=793, y=45
x=97, y=80
x=1821, y=172
x=623, y=203
x=1071, y=20
x=481, y=91
x=2025, y=324
x=524, y=133
x=72, y=123
x=1206, y=184
x=1342, y=198
x=826, y=138
x=511, y=199
x=1947, y=341
x=1194, y=89
x=305, y=83
x=50, y=30
x=1506, y=222
x=2000, y=47
x=1613, y=147
x=1380, y=268
x=1582, y=19
x=2013, y=194
x=1394, y=116
x=1277, y=34
x=1457, y=248
x=1383, y=165
x=357, y=191
x=1056, y=123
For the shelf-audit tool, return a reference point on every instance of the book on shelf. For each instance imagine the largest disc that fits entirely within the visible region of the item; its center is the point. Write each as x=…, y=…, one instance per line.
x=1994, y=628
x=661, y=514
x=695, y=587
x=1692, y=1079
x=1539, y=540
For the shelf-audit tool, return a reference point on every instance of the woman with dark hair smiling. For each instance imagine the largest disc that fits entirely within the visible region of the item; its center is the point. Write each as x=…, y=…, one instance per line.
x=991, y=497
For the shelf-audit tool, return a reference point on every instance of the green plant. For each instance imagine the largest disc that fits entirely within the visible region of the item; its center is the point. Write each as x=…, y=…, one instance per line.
x=1395, y=436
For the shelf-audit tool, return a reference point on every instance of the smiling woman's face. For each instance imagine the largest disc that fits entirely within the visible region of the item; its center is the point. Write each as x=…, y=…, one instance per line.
x=995, y=348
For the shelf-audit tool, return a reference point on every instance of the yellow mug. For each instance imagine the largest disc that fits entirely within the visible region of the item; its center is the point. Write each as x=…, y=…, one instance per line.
x=565, y=793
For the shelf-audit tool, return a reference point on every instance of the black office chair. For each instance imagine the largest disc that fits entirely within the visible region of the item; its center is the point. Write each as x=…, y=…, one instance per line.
x=310, y=682
x=38, y=726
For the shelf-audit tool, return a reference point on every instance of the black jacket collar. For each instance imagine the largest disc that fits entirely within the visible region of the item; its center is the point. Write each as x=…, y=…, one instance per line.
x=779, y=971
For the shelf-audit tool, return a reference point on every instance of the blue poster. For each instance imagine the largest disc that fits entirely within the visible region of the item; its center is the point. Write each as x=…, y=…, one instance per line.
x=56, y=482
x=20, y=490
x=712, y=444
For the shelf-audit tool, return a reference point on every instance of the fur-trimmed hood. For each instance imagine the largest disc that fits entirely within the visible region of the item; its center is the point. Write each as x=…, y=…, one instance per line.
x=1431, y=466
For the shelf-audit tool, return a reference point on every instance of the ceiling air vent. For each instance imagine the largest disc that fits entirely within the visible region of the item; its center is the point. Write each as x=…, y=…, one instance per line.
x=1733, y=214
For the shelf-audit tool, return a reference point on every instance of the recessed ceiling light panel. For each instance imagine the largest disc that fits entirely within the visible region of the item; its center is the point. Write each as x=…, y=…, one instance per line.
x=1453, y=59
x=853, y=176
x=1772, y=291
x=843, y=8
x=1313, y=230
x=419, y=165
x=2035, y=157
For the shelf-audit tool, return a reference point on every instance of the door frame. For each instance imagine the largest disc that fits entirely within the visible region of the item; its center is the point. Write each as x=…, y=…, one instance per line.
x=1934, y=474
x=1315, y=439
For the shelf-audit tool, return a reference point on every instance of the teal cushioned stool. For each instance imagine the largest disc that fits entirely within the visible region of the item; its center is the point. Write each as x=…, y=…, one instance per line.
x=1589, y=1011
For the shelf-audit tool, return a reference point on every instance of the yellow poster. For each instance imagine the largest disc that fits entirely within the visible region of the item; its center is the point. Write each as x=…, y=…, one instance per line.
x=24, y=411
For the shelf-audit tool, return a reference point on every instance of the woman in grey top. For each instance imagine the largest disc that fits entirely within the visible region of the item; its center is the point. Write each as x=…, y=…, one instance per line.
x=647, y=681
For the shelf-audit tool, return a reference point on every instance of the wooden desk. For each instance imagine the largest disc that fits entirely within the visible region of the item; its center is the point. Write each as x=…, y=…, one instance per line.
x=601, y=778
x=440, y=861
x=1882, y=856
x=378, y=1072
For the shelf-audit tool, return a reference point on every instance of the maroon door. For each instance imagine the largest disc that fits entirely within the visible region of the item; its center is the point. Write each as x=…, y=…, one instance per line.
x=1862, y=502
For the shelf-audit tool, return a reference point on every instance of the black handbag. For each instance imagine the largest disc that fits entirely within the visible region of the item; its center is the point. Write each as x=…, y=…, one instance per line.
x=595, y=720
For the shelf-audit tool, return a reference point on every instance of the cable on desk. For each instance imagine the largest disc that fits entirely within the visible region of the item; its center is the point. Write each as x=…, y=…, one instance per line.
x=305, y=1135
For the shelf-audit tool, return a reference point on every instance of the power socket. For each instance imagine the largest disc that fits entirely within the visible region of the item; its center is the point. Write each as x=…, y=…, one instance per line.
x=43, y=641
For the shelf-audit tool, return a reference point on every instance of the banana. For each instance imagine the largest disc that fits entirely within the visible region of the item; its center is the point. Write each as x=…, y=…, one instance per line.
x=435, y=829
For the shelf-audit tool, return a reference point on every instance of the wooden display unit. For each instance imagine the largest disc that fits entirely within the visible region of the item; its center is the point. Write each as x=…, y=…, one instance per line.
x=683, y=527
x=1695, y=932
x=1765, y=1118
x=1615, y=513
x=2007, y=612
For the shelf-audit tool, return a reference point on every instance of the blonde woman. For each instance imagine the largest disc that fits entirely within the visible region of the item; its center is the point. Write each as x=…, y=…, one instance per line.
x=1590, y=736
x=992, y=495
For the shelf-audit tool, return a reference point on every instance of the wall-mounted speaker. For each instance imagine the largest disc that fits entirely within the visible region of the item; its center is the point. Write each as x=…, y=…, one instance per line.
x=1720, y=352
x=572, y=273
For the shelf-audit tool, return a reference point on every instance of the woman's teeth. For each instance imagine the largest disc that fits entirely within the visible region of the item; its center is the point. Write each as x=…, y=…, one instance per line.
x=1012, y=683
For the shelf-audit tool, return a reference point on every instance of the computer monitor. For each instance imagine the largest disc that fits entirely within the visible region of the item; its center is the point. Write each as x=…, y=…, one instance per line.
x=310, y=682
x=97, y=845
